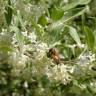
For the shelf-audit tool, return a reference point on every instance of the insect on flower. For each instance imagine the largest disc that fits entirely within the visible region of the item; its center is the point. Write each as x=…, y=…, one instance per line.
x=53, y=54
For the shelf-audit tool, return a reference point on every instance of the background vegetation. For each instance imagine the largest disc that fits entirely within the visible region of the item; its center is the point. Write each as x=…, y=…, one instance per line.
x=28, y=29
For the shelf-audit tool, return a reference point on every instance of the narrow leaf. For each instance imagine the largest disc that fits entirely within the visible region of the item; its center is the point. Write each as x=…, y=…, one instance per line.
x=89, y=37
x=8, y=13
x=74, y=35
x=74, y=4
x=19, y=35
x=81, y=2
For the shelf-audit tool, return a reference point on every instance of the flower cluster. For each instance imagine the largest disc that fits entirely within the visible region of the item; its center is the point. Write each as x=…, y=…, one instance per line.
x=86, y=58
x=59, y=73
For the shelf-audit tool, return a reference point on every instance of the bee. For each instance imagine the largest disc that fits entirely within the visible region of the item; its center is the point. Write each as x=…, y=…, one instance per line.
x=53, y=54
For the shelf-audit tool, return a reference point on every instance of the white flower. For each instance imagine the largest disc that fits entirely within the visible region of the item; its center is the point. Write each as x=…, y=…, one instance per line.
x=32, y=37
x=18, y=60
x=24, y=33
x=25, y=84
x=59, y=73
x=72, y=69
x=86, y=58
x=28, y=8
x=93, y=84
x=41, y=50
x=23, y=59
x=92, y=57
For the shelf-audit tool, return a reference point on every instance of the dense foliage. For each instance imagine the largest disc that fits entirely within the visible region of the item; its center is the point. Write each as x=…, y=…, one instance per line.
x=28, y=29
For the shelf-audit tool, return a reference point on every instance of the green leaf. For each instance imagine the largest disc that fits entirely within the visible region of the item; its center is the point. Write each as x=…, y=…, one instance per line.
x=20, y=20
x=74, y=4
x=81, y=2
x=90, y=39
x=45, y=81
x=56, y=13
x=43, y=20
x=70, y=6
x=39, y=29
x=74, y=35
x=5, y=48
x=19, y=35
x=8, y=13
x=5, y=42
x=62, y=21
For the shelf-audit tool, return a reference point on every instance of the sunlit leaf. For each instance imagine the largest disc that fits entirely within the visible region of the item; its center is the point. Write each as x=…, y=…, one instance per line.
x=43, y=20
x=84, y=1
x=74, y=4
x=62, y=21
x=56, y=13
x=70, y=5
x=74, y=35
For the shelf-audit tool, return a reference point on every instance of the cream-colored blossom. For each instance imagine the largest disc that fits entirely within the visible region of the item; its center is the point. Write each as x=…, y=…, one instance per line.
x=32, y=36
x=59, y=73
x=41, y=50
x=86, y=58
x=25, y=84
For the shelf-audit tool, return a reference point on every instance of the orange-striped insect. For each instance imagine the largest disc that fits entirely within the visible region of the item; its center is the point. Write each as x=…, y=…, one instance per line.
x=53, y=54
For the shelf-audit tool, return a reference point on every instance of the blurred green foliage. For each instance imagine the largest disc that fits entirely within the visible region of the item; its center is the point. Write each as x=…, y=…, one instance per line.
x=28, y=29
